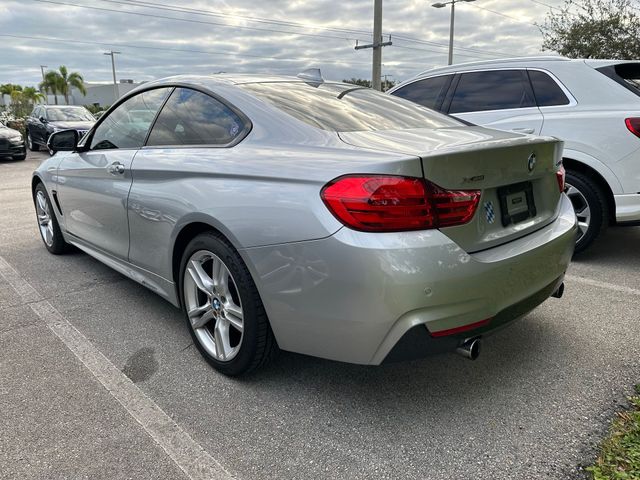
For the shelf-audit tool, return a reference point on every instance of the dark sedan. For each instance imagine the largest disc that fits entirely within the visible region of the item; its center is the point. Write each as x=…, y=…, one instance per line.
x=12, y=143
x=47, y=119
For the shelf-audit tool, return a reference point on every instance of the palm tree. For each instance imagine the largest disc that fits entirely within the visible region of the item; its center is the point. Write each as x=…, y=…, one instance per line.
x=51, y=83
x=31, y=95
x=61, y=81
x=9, y=89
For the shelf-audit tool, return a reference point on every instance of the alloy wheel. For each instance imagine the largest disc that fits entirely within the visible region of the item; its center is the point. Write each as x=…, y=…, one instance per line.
x=581, y=207
x=213, y=305
x=44, y=218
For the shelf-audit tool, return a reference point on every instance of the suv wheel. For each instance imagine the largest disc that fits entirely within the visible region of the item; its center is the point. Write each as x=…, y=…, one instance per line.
x=590, y=206
x=30, y=143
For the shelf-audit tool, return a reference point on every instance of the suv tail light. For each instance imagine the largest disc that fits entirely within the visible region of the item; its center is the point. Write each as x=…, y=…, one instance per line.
x=381, y=203
x=560, y=176
x=633, y=124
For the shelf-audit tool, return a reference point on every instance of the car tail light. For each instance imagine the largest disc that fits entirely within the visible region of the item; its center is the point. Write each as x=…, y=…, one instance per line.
x=633, y=124
x=560, y=176
x=380, y=203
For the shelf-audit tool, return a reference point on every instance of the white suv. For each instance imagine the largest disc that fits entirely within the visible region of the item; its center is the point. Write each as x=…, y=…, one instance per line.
x=593, y=105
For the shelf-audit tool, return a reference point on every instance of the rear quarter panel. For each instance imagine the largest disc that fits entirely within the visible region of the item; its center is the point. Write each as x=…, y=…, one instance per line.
x=255, y=194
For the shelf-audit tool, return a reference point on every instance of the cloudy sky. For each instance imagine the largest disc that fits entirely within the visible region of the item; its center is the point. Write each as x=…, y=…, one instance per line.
x=165, y=37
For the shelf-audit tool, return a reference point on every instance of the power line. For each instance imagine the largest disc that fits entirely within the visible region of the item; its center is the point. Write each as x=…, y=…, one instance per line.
x=505, y=15
x=210, y=13
x=184, y=50
x=468, y=49
x=191, y=20
x=402, y=37
x=469, y=55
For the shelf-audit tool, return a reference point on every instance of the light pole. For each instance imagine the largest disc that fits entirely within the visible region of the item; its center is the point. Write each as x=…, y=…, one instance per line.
x=46, y=90
x=113, y=69
x=453, y=15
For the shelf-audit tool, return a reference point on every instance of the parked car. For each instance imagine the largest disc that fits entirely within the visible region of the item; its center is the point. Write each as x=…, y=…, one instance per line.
x=312, y=216
x=47, y=119
x=592, y=105
x=11, y=143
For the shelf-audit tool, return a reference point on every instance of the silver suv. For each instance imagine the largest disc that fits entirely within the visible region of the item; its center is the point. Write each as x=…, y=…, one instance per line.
x=593, y=105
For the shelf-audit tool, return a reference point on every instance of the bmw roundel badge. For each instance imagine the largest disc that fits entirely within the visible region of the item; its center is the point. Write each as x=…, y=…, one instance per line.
x=531, y=162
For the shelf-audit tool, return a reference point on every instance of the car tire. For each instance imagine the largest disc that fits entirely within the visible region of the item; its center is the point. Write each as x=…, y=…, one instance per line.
x=590, y=205
x=20, y=157
x=47, y=222
x=233, y=343
x=34, y=147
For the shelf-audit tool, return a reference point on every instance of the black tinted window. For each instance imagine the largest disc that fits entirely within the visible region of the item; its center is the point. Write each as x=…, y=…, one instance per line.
x=344, y=108
x=626, y=74
x=546, y=90
x=128, y=124
x=193, y=118
x=495, y=90
x=427, y=92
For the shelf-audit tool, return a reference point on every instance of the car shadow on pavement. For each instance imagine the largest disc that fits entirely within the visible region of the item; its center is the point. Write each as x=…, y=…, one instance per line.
x=510, y=360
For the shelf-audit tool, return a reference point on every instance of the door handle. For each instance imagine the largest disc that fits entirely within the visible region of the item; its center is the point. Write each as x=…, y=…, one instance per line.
x=523, y=130
x=116, y=168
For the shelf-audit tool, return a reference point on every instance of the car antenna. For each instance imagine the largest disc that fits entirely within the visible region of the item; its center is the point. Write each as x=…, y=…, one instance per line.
x=311, y=75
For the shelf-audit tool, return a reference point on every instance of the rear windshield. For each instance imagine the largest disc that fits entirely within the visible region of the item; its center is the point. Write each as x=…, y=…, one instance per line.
x=626, y=74
x=340, y=107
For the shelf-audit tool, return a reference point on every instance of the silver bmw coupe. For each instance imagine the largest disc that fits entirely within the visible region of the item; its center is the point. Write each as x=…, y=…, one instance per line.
x=311, y=216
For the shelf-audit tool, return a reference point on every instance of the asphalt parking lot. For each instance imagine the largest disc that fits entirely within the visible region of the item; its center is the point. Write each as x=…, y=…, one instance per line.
x=99, y=379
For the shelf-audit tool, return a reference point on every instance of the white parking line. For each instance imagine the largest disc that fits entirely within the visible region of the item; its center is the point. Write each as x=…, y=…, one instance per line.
x=188, y=455
x=608, y=286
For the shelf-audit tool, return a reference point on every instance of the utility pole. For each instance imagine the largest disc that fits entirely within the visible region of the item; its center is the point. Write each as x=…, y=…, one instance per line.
x=377, y=45
x=376, y=69
x=46, y=90
x=113, y=69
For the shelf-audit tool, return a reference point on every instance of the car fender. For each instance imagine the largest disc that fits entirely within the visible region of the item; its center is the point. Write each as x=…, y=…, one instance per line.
x=592, y=162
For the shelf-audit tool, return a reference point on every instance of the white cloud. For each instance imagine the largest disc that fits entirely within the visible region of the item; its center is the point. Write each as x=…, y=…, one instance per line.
x=190, y=43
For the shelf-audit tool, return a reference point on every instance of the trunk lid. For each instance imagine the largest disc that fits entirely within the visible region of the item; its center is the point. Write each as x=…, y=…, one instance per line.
x=518, y=195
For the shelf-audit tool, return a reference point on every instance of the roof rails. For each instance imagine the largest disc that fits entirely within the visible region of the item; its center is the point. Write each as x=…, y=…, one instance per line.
x=545, y=58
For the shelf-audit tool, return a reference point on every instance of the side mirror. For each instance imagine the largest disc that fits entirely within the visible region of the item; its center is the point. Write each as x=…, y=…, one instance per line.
x=43, y=120
x=63, y=141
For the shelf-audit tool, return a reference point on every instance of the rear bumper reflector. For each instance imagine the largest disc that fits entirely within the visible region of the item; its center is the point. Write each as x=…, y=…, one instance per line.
x=463, y=328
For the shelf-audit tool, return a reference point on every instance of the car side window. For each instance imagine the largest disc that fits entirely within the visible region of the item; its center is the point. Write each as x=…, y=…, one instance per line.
x=428, y=92
x=128, y=124
x=194, y=118
x=491, y=90
x=548, y=93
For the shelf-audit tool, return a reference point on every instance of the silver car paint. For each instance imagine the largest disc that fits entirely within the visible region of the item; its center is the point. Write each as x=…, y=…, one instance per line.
x=263, y=195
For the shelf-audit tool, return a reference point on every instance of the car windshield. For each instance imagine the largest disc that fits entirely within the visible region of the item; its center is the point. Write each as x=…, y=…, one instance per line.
x=74, y=114
x=341, y=107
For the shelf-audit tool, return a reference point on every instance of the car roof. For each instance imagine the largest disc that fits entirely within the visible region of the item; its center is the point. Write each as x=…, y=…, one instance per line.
x=496, y=61
x=229, y=79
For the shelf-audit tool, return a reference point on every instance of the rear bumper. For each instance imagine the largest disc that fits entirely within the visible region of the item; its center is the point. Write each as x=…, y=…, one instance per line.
x=627, y=208
x=354, y=295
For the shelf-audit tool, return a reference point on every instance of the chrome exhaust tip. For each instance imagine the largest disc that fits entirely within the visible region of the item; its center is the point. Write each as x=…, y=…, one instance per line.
x=559, y=292
x=470, y=348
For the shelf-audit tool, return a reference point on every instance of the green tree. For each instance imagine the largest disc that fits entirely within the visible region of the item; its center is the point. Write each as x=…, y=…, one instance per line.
x=594, y=29
x=51, y=83
x=22, y=99
x=61, y=81
x=32, y=95
x=386, y=84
